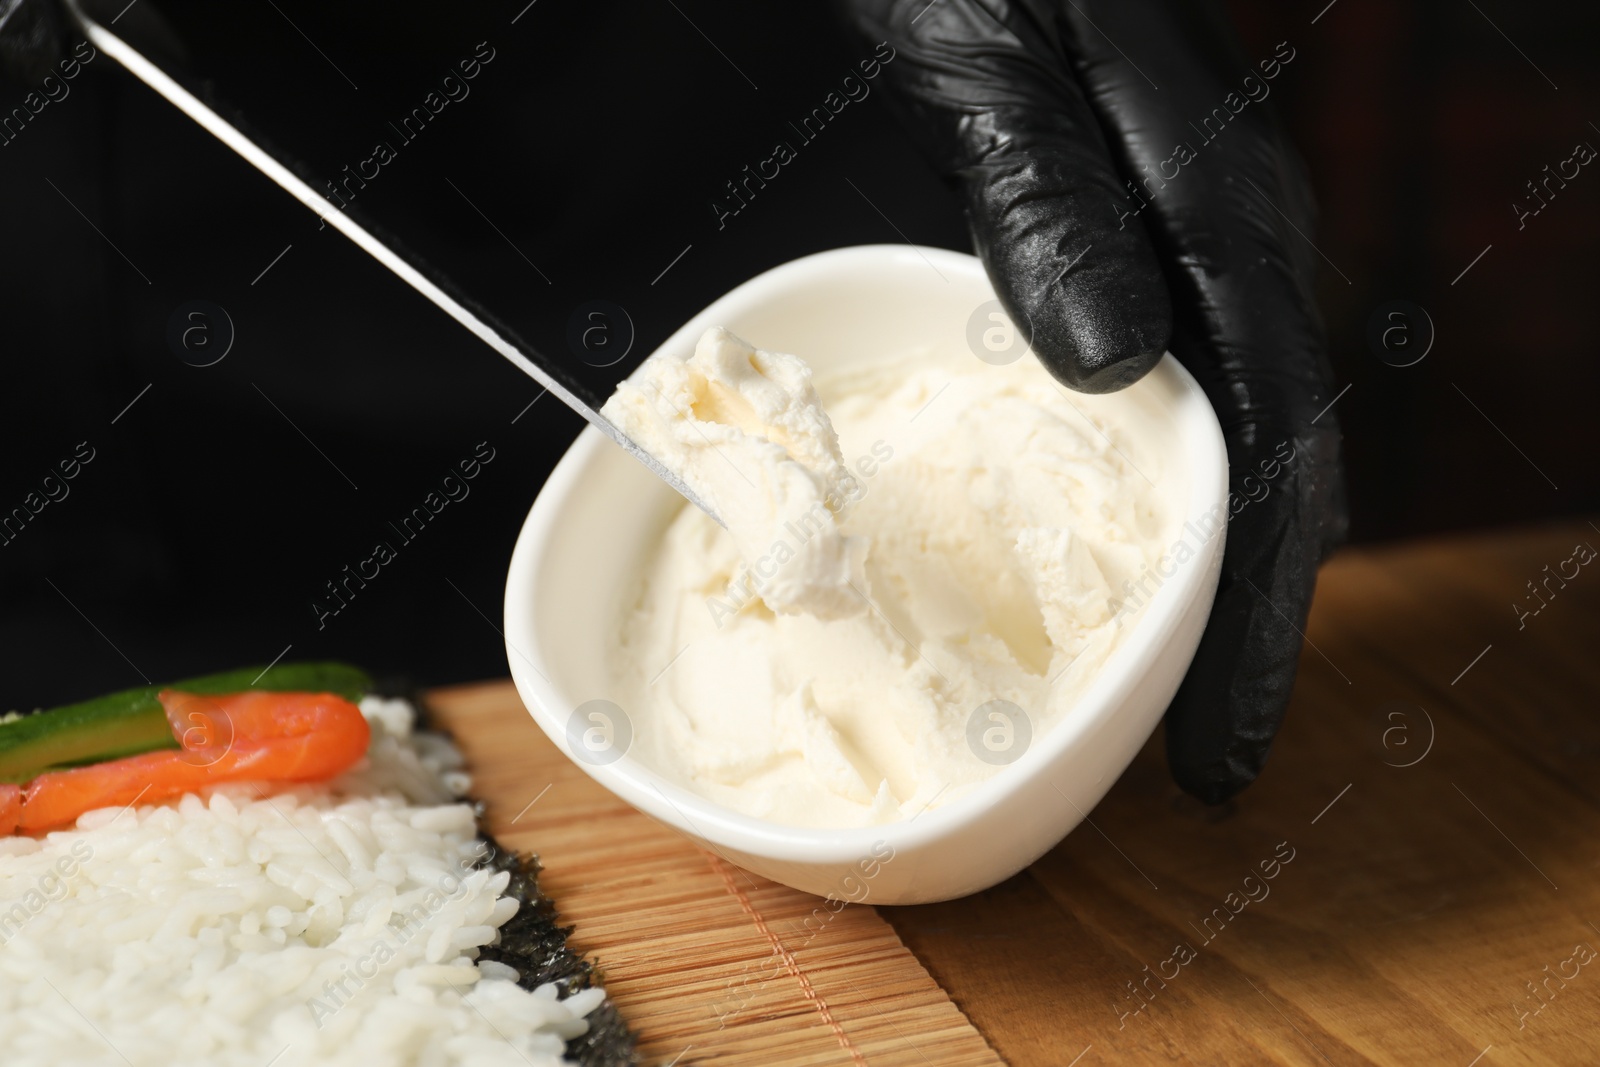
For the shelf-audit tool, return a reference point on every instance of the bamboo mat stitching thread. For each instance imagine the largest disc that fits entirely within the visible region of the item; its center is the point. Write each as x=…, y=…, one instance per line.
x=788, y=959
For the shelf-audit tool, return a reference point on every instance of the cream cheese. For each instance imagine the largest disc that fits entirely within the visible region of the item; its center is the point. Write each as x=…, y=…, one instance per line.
x=983, y=522
x=744, y=429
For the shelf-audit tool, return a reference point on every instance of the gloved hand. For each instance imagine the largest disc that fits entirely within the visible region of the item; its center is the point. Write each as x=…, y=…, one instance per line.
x=35, y=35
x=1118, y=214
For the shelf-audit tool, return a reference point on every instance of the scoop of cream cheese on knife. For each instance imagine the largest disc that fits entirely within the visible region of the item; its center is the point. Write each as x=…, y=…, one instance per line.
x=828, y=659
x=745, y=430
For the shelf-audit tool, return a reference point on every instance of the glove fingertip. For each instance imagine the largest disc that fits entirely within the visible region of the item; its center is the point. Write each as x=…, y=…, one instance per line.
x=1211, y=784
x=1099, y=318
x=1090, y=358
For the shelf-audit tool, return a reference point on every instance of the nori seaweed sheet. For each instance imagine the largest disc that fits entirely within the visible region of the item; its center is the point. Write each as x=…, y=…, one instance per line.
x=533, y=941
x=535, y=944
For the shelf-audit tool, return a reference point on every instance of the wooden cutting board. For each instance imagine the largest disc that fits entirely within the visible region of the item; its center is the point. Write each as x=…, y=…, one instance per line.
x=709, y=964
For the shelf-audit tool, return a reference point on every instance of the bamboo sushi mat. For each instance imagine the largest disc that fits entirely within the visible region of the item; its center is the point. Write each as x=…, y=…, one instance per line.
x=708, y=964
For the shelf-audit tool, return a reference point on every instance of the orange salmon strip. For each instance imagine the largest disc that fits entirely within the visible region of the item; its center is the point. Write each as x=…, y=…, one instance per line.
x=10, y=807
x=250, y=736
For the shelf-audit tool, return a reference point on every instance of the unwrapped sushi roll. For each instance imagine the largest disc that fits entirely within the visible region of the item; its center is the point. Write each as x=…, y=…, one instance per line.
x=271, y=867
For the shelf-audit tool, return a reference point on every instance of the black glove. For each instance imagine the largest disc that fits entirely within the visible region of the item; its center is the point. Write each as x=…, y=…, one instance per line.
x=35, y=35
x=1113, y=215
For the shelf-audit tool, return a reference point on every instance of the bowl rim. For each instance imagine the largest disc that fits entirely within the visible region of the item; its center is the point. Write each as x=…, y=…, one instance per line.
x=1199, y=436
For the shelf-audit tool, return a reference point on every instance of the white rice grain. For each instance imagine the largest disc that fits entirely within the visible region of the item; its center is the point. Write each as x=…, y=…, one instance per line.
x=342, y=923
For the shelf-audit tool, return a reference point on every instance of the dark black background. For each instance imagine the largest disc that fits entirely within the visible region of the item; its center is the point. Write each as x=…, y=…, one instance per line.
x=591, y=147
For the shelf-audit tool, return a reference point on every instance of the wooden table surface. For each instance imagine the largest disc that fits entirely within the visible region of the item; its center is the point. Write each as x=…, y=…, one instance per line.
x=1438, y=783
x=1412, y=881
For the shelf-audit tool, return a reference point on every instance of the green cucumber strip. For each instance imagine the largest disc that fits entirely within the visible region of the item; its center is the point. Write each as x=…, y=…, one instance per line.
x=132, y=721
x=349, y=682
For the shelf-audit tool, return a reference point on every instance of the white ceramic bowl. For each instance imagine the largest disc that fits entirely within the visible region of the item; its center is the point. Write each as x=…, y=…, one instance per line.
x=601, y=511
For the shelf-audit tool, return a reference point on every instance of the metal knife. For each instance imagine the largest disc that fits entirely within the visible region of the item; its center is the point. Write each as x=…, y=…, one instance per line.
x=531, y=363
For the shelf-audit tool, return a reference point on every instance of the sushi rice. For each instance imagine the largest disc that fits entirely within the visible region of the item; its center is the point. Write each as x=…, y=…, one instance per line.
x=322, y=925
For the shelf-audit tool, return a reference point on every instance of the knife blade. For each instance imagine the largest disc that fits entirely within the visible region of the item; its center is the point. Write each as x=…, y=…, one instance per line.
x=530, y=362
